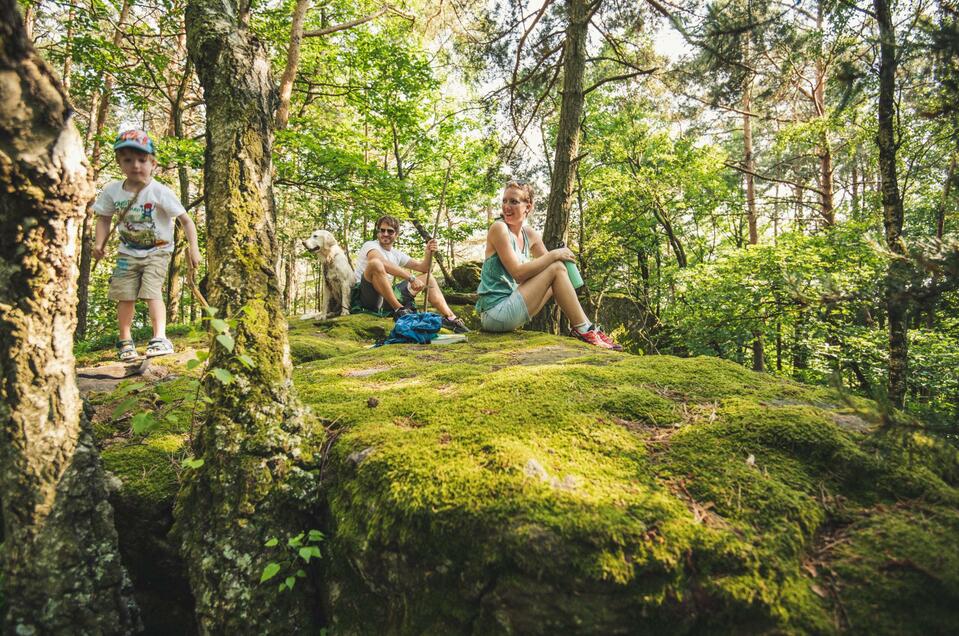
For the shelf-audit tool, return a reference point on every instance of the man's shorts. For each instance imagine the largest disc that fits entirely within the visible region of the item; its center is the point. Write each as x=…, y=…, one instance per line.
x=506, y=315
x=143, y=278
x=371, y=300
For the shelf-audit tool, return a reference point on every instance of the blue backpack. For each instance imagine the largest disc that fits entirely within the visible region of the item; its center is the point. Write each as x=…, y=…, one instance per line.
x=418, y=328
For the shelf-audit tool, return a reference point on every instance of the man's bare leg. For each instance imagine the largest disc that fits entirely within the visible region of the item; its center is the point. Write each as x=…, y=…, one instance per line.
x=377, y=276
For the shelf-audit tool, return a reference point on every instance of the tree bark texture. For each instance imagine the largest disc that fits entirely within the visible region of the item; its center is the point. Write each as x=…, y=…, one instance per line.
x=292, y=63
x=89, y=221
x=570, y=117
x=759, y=356
x=62, y=572
x=252, y=484
x=827, y=208
x=892, y=209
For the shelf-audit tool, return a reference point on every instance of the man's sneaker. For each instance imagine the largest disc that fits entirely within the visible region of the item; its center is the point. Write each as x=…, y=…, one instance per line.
x=456, y=325
x=402, y=311
x=602, y=335
x=592, y=337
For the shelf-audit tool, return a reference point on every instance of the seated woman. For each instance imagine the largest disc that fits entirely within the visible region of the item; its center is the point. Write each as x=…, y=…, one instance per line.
x=514, y=285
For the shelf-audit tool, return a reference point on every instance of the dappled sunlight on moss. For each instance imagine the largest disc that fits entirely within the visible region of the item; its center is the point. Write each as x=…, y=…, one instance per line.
x=530, y=483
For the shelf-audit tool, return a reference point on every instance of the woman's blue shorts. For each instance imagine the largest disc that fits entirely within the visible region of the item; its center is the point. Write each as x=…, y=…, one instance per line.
x=506, y=315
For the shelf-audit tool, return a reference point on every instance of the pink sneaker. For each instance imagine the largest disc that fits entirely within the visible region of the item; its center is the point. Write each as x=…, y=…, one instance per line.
x=593, y=337
x=612, y=343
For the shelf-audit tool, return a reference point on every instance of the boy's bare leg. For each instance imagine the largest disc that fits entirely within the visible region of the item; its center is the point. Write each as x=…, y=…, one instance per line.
x=125, y=310
x=157, y=316
x=376, y=274
x=554, y=280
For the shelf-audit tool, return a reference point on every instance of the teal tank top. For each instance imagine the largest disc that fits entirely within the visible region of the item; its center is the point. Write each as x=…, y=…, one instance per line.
x=496, y=284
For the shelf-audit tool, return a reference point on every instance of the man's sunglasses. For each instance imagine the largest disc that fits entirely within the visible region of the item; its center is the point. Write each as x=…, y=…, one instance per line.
x=387, y=230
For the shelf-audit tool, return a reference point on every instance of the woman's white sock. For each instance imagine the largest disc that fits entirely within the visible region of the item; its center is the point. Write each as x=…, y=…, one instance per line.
x=583, y=327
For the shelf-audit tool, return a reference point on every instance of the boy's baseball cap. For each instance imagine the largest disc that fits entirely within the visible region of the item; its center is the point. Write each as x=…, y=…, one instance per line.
x=136, y=139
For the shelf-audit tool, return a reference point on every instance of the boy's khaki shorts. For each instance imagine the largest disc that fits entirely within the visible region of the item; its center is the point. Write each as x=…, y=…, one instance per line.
x=143, y=278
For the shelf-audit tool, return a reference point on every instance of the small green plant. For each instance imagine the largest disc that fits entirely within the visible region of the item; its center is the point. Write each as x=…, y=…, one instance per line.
x=303, y=547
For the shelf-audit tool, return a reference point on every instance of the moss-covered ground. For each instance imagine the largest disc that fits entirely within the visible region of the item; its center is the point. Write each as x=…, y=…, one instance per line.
x=526, y=483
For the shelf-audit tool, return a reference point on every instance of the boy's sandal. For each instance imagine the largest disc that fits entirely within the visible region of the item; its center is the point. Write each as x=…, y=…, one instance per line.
x=126, y=351
x=159, y=347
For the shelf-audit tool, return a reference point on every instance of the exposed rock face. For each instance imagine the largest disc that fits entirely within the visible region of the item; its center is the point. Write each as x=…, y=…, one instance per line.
x=466, y=276
x=525, y=483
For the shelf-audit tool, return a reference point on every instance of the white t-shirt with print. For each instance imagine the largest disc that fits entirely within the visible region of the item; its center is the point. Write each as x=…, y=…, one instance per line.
x=148, y=225
x=394, y=256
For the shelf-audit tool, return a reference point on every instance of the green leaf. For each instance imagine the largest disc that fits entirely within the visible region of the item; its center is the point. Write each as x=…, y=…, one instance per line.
x=226, y=340
x=132, y=387
x=296, y=541
x=193, y=385
x=271, y=570
x=246, y=360
x=219, y=326
x=171, y=418
x=316, y=535
x=123, y=407
x=193, y=463
x=301, y=573
x=309, y=552
x=202, y=355
x=290, y=582
x=206, y=399
x=143, y=423
x=192, y=364
x=222, y=375
x=272, y=542
x=210, y=311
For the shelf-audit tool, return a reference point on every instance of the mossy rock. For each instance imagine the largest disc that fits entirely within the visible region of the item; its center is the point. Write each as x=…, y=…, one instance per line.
x=527, y=483
x=466, y=276
x=145, y=472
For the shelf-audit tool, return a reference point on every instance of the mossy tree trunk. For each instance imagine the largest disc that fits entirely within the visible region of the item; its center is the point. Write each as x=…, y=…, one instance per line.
x=61, y=565
x=253, y=483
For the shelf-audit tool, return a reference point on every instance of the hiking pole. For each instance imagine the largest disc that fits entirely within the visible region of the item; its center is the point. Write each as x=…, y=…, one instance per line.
x=429, y=261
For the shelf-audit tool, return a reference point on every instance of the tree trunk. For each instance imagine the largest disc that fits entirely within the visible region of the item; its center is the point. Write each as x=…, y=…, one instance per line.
x=566, y=155
x=246, y=490
x=61, y=565
x=89, y=223
x=174, y=273
x=827, y=210
x=759, y=358
x=570, y=117
x=892, y=210
x=292, y=63
x=944, y=202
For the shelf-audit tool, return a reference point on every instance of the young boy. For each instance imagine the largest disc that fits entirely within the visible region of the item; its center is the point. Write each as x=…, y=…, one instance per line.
x=145, y=227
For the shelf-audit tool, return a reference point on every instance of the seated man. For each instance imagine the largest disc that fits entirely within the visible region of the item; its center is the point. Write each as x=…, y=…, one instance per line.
x=378, y=263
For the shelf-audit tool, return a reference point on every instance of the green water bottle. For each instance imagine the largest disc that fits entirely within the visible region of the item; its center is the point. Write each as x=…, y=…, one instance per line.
x=573, y=272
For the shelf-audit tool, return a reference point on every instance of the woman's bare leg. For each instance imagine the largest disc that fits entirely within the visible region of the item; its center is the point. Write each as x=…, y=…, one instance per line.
x=554, y=280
